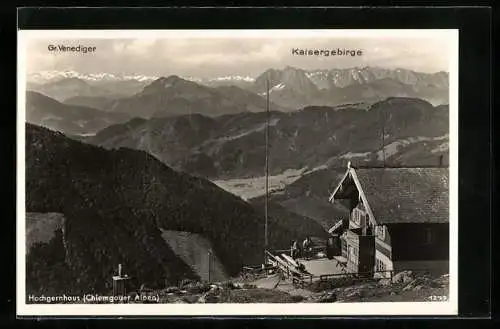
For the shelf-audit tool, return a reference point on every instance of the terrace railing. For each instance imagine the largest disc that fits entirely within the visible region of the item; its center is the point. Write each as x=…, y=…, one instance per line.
x=288, y=269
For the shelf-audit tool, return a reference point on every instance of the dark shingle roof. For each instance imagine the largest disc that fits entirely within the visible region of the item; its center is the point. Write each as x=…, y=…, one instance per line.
x=406, y=195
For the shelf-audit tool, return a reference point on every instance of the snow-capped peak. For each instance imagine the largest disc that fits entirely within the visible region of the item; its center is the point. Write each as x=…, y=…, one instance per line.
x=316, y=73
x=279, y=86
x=193, y=79
x=233, y=78
x=48, y=76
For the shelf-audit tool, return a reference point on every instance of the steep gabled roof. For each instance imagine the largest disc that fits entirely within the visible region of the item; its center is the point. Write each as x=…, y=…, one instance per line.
x=406, y=195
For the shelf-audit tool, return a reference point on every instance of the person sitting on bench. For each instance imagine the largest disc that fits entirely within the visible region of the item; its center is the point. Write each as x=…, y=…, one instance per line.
x=301, y=268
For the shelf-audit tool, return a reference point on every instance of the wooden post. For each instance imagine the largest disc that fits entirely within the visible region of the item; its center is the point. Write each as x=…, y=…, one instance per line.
x=119, y=283
x=115, y=287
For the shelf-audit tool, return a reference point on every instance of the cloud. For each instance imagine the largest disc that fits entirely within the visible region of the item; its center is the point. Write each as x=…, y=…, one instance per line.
x=205, y=57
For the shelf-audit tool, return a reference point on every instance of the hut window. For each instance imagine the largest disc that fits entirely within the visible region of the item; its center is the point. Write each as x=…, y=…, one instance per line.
x=369, y=227
x=357, y=214
x=380, y=265
x=344, y=248
x=380, y=232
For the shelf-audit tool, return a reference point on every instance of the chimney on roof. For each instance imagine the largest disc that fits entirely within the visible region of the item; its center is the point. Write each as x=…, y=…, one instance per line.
x=119, y=269
x=441, y=160
x=348, y=164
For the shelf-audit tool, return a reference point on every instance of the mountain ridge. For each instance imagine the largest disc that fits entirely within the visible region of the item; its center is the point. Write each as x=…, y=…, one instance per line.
x=297, y=87
x=232, y=146
x=72, y=119
x=172, y=95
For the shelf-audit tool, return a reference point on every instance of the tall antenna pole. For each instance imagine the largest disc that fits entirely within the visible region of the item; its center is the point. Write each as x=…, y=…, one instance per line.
x=267, y=162
x=383, y=136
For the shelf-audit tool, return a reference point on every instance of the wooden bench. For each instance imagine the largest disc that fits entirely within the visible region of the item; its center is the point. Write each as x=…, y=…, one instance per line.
x=290, y=260
x=296, y=275
x=283, y=266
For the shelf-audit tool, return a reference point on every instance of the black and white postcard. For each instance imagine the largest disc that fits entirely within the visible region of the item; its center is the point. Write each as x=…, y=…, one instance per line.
x=237, y=172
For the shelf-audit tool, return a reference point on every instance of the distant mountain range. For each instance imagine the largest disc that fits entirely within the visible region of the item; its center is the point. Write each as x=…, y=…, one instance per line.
x=176, y=96
x=291, y=88
x=297, y=88
x=90, y=209
x=44, y=77
x=163, y=97
x=233, y=146
x=71, y=119
x=67, y=88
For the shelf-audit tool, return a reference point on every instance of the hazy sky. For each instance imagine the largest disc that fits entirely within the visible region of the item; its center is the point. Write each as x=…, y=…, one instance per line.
x=234, y=56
